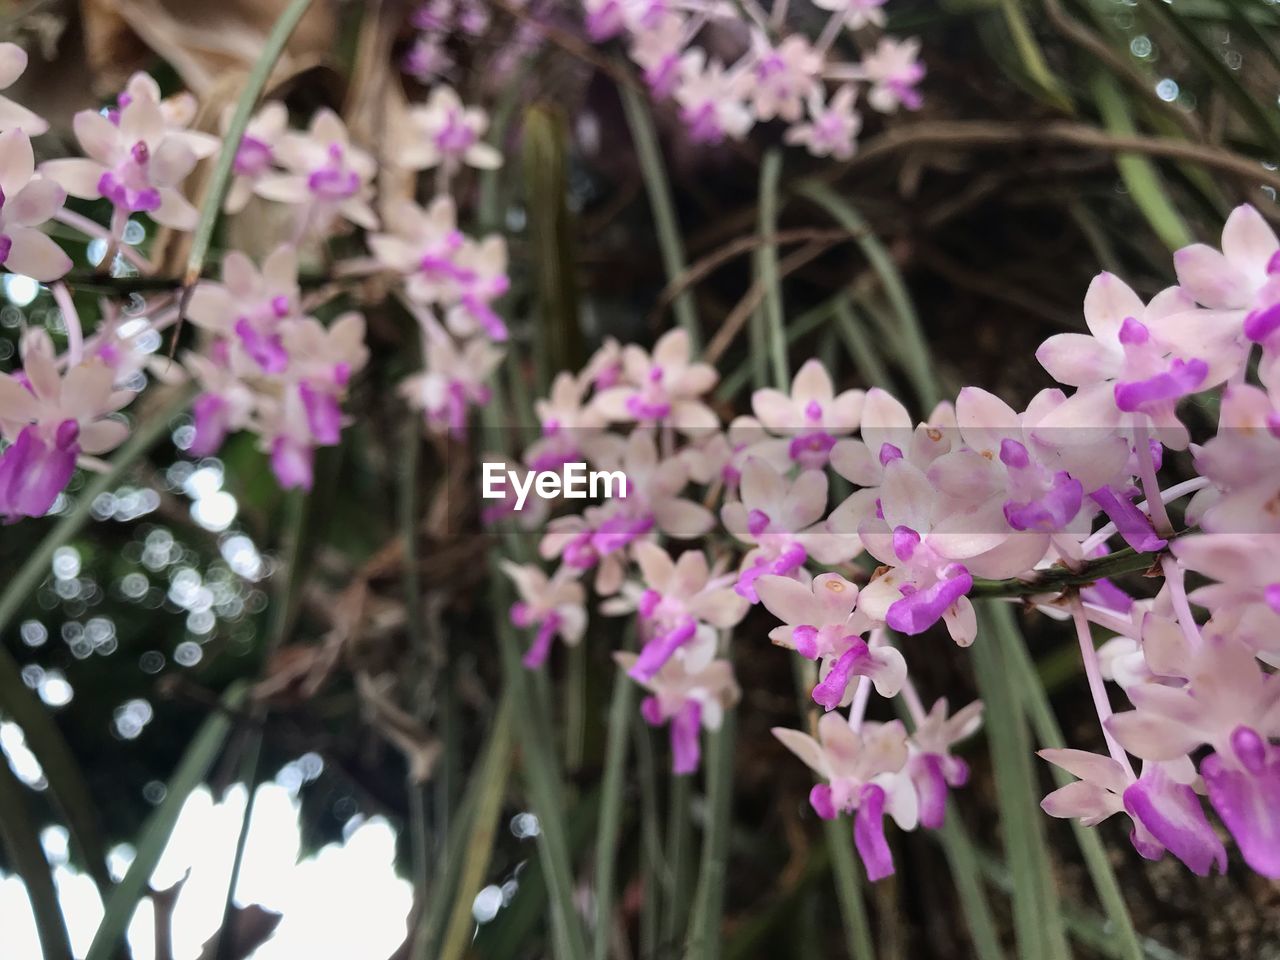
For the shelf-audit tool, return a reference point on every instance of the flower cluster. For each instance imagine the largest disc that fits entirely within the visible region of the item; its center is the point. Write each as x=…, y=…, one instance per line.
x=977, y=491
x=266, y=362
x=778, y=75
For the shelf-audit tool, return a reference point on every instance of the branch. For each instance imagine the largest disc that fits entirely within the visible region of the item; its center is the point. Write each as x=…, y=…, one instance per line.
x=1058, y=579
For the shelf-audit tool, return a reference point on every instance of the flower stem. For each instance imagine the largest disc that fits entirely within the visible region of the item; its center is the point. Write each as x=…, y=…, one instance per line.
x=1174, y=576
x=1097, y=688
x=767, y=268
x=1150, y=485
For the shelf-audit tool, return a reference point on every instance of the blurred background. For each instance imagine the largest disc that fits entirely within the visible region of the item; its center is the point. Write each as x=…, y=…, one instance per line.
x=1057, y=138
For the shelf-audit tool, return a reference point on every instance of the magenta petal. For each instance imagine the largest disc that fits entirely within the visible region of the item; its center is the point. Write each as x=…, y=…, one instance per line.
x=931, y=786
x=821, y=801
x=684, y=730
x=266, y=350
x=292, y=464
x=918, y=611
x=211, y=425
x=32, y=474
x=1260, y=324
x=868, y=834
x=651, y=711
x=852, y=662
x=1132, y=524
x=805, y=637
x=540, y=649
x=660, y=649
x=1172, y=812
x=1182, y=378
x=1051, y=512
x=1248, y=803
x=905, y=541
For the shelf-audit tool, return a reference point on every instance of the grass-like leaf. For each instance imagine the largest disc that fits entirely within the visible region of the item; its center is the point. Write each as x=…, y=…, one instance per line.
x=621, y=707
x=191, y=771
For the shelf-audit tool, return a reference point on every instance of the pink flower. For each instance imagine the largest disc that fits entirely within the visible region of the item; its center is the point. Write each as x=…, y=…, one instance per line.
x=833, y=127
x=812, y=415
x=328, y=178
x=663, y=388
x=686, y=701
x=820, y=622
x=444, y=133
x=682, y=604
x=894, y=70
x=13, y=63
x=932, y=768
x=27, y=201
x=137, y=157
x=555, y=605
x=711, y=99
x=864, y=774
x=255, y=156
x=49, y=419
x=783, y=77
x=453, y=381
x=249, y=307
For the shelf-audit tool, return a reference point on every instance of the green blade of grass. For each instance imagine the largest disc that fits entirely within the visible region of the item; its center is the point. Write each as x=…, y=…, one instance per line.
x=190, y=773
x=621, y=707
x=477, y=851
x=1032, y=57
x=216, y=193
x=1049, y=734
x=770, y=312
x=670, y=243
x=917, y=360
x=865, y=358
x=1139, y=174
x=66, y=781
x=1036, y=916
x=26, y=856
x=704, y=941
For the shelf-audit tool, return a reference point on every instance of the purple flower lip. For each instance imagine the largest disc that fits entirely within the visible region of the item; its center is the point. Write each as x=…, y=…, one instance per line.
x=889, y=453
x=918, y=610
x=1262, y=323
x=1182, y=378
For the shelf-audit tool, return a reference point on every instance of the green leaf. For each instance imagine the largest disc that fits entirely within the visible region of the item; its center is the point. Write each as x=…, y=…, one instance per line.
x=704, y=939
x=670, y=243
x=1140, y=175
x=190, y=773
x=917, y=358
x=770, y=312
x=219, y=183
x=1032, y=57
x=1036, y=917
x=621, y=708
x=22, y=842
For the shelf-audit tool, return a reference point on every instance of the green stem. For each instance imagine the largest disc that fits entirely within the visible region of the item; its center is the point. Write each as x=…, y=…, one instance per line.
x=918, y=364
x=274, y=46
x=870, y=368
x=767, y=267
x=66, y=782
x=21, y=839
x=704, y=939
x=670, y=243
x=621, y=708
x=1058, y=579
x=677, y=874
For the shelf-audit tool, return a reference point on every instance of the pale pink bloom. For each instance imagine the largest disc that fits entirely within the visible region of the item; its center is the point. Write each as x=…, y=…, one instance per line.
x=813, y=415
x=249, y=306
x=856, y=13
x=225, y=405
x=833, y=127
x=865, y=775
x=1243, y=461
x=49, y=419
x=681, y=603
x=663, y=388
x=1246, y=568
x=328, y=177
x=569, y=425
x=603, y=368
x=1164, y=809
x=652, y=504
x=657, y=50
x=1136, y=362
x=1233, y=278
x=482, y=280
x=531, y=516
x=888, y=433
x=555, y=605
x=442, y=132
x=820, y=622
x=605, y=18
x=137, y=158
x=455, y=379
x=13, y=63
x=783, y=77
x=893, y=69
x=721, y=456
x=687, y=702
x=27, y=201
x=782, y=519
x=932, y=768
x=427, y=59
x=255, y=156
x=711, y=99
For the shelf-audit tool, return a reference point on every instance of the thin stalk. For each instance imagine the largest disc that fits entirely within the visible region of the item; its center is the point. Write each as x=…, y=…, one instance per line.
x=220, y=181
x=918, y=364
x=621, y=709
x=677, y=876
x=865, y=358
x=767, y=267
x=670, y=243
x=1049, y=734
x=21, y=839
x=650, y=841
x=703, y=941
x=66, y=781
x=545, y=791
x=1097, y=687
x=1037, y=921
